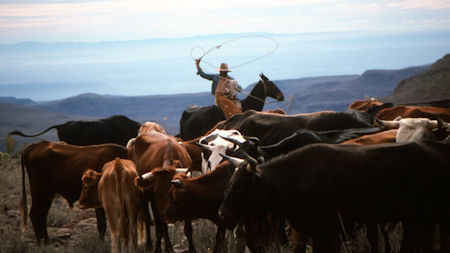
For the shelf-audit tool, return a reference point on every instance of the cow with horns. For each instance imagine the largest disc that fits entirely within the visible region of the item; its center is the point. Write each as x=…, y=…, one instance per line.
x=155, y=150
x=387, y=182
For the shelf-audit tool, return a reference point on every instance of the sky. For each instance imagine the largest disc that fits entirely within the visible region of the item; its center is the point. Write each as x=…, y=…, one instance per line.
x=111, y=20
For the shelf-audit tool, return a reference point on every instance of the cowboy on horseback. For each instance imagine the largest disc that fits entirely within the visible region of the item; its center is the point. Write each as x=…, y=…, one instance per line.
x=224, y=88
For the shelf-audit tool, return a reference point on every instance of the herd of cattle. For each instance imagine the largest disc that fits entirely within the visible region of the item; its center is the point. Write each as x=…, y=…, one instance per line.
x=278, y=179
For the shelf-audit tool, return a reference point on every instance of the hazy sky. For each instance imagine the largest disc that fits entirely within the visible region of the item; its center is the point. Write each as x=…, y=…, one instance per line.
x=70, y=20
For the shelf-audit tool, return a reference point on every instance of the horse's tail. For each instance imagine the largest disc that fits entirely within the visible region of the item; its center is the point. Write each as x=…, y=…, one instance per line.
x=15, y=132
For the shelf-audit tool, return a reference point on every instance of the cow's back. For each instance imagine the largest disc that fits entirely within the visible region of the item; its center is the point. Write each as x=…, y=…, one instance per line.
x=196, y=121
x=151, y=151
x=271, y=128
x=116, y=129
x=61, y=166
x=415, y=112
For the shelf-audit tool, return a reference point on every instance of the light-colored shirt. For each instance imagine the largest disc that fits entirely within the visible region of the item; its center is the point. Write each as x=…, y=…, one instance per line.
x=215, y=80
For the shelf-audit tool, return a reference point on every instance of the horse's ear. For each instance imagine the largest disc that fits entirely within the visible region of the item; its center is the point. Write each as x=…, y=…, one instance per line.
x=263, y=77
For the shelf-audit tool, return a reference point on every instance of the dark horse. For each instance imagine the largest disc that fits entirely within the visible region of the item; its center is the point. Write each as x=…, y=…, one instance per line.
x=197, y=120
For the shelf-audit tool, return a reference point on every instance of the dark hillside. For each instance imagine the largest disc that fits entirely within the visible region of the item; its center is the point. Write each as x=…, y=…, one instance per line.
x=431, y=85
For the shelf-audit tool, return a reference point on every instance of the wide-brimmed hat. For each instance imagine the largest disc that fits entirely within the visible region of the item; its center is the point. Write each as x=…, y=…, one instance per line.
x=224, y=67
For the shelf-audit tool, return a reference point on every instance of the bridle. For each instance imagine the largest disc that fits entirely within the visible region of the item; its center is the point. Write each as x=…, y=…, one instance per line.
x=265, y=92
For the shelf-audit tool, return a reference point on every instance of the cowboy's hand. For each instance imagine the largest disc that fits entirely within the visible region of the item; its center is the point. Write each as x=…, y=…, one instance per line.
x=197, y=61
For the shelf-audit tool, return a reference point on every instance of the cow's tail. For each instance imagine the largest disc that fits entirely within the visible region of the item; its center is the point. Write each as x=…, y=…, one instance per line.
x=23, y=200
x=123, y=220
x=141, y=228
x=15, y=132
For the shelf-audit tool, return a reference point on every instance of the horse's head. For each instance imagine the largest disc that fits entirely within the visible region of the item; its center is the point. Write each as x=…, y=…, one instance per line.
x=271, y=89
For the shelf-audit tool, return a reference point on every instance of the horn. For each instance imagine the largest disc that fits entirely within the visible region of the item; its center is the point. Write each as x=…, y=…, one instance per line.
x=233, y=160
x=234, y=141
x=181, y=170
x=176, y=182
x=147, y=175
x=189, y=174
x=204, y=146
x=432, y=124
x=389, y=124
x=255, y=140
x=249, y=158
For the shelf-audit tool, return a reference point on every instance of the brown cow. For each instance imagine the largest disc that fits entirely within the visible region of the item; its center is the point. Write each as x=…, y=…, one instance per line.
x=191, y=198
x=56, y=168
x=405, y=111
x=149, y=126
x=156, y=150
x=114, y=190
x=387, y=136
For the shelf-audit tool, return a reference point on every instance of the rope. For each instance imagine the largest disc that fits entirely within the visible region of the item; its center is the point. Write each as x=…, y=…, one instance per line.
x=239, y=65
x=232, y=40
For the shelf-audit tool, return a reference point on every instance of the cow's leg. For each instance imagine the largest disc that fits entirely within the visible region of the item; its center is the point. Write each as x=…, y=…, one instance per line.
x=372, y=236
x=298, y=241
x=161, y=230
x=167, y=242
x=147, y=222
x=220, y=236
x=112, y=214
x=326, y=242
x=188, y=234
x=132, y=232
x=40, y=205
x=101, y=222
x=282, y=232
x=444, y=234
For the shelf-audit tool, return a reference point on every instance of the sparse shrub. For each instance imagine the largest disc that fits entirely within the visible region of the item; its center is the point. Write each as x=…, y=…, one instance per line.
x=89, y=242
x=10, y=145
x=60, y=214
x=11, y=242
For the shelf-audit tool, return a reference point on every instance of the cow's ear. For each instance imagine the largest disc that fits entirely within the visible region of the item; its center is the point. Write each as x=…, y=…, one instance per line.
x=142, y=182
x=90, y=177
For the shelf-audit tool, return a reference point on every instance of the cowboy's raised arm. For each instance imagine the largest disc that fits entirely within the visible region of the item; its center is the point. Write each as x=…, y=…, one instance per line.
x=200, y=71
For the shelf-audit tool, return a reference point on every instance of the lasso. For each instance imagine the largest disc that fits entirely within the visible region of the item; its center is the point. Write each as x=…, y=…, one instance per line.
x=205, y=53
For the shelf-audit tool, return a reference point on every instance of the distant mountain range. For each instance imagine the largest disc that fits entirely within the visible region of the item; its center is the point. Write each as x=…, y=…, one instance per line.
x=301, y=95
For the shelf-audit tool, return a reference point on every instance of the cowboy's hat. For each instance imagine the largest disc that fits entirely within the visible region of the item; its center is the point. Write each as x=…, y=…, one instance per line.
x=224, y=67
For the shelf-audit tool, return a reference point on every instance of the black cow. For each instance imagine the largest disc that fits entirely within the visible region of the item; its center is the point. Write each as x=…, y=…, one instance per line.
x=197, y=120
x=271, y=128
x=115, y=129
x=312, y=185
x=301, y=138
